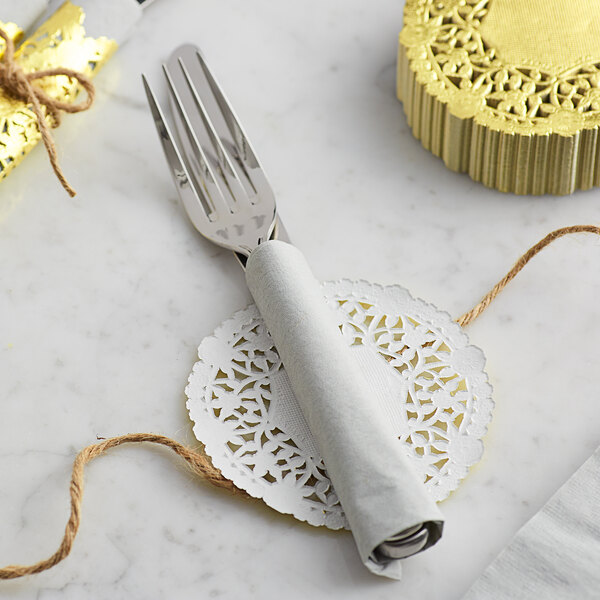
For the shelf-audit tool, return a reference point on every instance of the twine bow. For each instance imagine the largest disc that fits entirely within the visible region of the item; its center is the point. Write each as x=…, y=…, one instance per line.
x=18, y=84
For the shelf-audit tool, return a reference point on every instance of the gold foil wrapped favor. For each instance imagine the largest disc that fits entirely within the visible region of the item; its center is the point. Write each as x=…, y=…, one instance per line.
x=507, y=91
x=59, y=42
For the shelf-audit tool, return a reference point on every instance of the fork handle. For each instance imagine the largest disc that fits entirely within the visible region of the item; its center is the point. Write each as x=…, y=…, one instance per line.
x=372, y=476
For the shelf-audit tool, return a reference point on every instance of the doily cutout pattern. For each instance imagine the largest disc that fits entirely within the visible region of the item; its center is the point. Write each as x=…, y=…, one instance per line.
x=428, y=380
x=525, y=126
x=448, y=50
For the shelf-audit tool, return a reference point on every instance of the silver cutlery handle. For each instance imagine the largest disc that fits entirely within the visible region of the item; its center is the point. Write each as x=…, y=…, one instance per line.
x=374, y=480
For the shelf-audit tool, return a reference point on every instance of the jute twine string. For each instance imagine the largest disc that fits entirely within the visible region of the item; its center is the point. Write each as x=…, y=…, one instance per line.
x=18, y=84
x=470, y=316
x=199, y=463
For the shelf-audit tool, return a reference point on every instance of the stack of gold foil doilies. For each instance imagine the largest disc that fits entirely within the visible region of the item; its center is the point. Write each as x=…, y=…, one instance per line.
x=507, y=91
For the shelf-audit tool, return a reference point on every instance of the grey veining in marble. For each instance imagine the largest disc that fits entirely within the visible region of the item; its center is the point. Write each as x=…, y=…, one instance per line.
x=104, y=298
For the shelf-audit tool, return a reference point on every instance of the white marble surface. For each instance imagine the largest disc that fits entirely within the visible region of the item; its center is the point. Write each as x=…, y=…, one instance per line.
x=104, y=298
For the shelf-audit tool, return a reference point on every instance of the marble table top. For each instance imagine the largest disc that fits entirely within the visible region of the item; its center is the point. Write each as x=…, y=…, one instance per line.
x=105, y=297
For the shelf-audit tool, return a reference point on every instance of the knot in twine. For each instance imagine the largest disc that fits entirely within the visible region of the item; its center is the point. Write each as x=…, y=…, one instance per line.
x=18, y=84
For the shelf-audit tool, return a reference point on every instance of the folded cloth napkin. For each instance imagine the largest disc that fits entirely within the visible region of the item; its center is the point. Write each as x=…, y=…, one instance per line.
x=390, y=512
x=555, y=555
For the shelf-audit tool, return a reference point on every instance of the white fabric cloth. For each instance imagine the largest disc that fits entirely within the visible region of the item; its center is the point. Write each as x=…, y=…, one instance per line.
x=555, y=555
x=376, y=485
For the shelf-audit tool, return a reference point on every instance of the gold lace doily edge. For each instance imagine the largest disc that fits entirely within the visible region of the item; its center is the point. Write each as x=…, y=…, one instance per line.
x=13, y=31
x=59, y=42
x=494, y=152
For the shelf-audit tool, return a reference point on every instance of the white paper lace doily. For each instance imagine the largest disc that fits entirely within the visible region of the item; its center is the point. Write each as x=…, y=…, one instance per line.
x=429, y=382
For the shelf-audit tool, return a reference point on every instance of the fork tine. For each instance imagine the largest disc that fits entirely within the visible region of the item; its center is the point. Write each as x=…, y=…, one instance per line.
x=203, y=151
x=192, y=202
x=216, y=199
x=232, y=180
x=247, y=157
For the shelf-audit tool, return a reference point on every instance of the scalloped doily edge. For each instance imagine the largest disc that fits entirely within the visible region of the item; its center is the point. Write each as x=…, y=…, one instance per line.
x=446, y=326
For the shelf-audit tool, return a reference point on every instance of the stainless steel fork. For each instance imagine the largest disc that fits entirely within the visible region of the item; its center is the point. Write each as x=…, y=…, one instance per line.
x=229, y=200
x=220, y=181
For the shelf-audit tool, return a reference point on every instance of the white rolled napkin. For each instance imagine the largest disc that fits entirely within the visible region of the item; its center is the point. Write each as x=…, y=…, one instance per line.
x=374, y=480
x=114, y=19
x=556, y=554
x=23, y=13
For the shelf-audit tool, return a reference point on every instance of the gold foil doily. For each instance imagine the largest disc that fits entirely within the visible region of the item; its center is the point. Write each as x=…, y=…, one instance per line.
x=59, y=42
x=507, y=91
